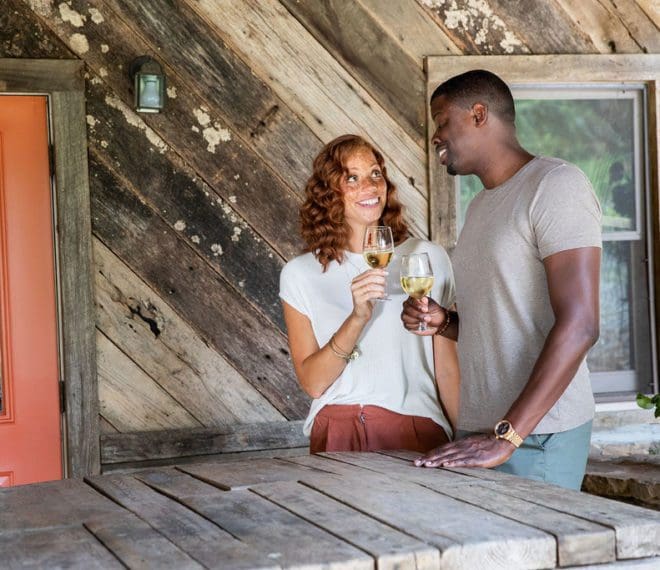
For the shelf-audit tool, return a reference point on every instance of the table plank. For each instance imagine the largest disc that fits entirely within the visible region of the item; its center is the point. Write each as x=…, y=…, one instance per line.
x=579, y=541
x=50, y=504
x=391, y=548
x=59, y=547
x=242, y=474
x=399, y=468
x=199, y=538
x=287, y=539
x=467, y=536
x=137, y=545
x=637, y=529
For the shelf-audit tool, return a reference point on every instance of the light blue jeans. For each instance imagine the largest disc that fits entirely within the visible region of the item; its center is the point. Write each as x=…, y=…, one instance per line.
x=558, y=458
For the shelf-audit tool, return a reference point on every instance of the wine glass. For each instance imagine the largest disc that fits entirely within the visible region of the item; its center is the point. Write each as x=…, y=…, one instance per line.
x=417, y=277
x=378, y=248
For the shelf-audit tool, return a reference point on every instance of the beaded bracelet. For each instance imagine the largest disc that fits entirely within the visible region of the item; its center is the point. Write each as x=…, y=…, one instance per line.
x=347, y=356
x=446, y=323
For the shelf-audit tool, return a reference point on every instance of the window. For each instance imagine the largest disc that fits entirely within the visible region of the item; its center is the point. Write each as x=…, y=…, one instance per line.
x=603, y=127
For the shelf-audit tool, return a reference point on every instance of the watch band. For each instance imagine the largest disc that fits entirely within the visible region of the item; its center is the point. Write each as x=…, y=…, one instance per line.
x=504, y=430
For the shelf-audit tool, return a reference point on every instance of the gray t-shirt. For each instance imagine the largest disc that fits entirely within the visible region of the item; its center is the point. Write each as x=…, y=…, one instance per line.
x=502, y=297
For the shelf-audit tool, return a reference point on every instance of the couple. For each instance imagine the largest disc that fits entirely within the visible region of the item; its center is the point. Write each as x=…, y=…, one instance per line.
x=527, y=282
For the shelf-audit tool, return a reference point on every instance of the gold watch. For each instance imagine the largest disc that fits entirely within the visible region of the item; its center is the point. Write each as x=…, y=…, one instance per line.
x=504, y=430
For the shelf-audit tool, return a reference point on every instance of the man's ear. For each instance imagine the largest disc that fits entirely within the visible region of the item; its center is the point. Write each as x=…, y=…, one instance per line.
x=479, y=114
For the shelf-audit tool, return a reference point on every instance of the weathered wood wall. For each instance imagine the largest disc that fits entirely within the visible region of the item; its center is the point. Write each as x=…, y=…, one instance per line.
x=194, y=211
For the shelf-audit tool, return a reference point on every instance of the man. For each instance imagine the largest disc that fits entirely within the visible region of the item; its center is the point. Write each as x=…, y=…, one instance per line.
x=527, y=267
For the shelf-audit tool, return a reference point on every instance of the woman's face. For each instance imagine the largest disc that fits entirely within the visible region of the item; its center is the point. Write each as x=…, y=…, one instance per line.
x=364, y=189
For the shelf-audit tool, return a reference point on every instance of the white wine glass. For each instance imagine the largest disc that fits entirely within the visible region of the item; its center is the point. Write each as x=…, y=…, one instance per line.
x=417, y=277
x=378, y=248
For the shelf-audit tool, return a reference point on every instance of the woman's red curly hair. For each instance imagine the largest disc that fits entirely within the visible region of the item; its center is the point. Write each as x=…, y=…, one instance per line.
x=322, y=214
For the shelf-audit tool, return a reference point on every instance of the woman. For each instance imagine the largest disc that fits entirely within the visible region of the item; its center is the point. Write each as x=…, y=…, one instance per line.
x=371, y=380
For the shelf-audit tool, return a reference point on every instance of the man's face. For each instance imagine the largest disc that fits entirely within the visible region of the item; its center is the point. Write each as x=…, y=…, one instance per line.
x=450, y=138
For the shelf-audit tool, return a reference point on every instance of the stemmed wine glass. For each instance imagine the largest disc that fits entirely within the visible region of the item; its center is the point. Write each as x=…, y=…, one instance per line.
x=378, y=248
x=417, y=277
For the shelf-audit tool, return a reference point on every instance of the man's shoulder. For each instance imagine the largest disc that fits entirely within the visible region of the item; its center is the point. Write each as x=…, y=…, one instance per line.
x=548, y=166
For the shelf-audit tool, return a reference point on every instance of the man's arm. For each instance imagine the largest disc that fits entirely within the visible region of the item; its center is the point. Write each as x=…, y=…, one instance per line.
x=573, y=285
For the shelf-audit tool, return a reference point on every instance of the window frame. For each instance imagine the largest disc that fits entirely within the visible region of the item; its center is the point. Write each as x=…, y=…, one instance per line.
x=553, y=70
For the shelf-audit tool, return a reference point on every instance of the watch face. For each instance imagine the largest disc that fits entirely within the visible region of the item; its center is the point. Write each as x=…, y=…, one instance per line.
x=502, y=428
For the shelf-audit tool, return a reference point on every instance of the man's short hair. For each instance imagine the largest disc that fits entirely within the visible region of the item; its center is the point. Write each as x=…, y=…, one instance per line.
x=479, y=86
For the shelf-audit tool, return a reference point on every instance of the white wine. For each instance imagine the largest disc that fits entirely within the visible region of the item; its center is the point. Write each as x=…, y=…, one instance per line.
x=377, y=259
x=417, y=287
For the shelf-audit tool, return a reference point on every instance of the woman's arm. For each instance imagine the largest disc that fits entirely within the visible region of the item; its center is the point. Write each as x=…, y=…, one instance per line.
x=447, y=376
x=318, y=367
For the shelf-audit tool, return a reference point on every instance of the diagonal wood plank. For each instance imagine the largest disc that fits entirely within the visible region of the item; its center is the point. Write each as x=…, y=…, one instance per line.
x=600, y=22
x=391, y=549
x=187, y=368
x=202, y=540
x=198, y=130
x=418, y=34
x=137, y=545
x=139, y=236
x=287, y=538
x=59, y=547
x=349, y=33
x=639, y=23
x=544, y=29
x=474, y=28
x=130, y=399
x=652, y=9
x=301, y=71
x=208, y=224
x=239, y=475
x=467, y=536
x=229, y=89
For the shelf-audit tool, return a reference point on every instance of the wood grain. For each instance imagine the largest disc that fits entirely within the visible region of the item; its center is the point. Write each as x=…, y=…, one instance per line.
x=202, y=540
x=139, y=236
x=158, y=340
x=349, y=33
x=130, y=399
x=288, y=539
x=118, y=447
x=210, y=69
x=319, y=89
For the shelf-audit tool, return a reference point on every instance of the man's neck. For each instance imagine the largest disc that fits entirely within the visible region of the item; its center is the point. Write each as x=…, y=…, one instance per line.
x=504, y=164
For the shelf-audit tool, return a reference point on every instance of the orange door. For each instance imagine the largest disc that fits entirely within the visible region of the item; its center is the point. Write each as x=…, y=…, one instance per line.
x=30, y=432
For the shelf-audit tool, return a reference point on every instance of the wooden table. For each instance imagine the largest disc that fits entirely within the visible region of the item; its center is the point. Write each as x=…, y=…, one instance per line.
x=340, y=510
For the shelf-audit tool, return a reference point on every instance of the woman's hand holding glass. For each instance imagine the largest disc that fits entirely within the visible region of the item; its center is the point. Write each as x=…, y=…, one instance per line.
x=366, y=288
x=378, y=249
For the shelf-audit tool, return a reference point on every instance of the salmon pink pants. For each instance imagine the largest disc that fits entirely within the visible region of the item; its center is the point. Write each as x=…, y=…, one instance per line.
x=370, y=428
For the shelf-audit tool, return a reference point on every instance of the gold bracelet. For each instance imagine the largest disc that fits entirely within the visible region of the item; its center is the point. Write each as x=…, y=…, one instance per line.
x=347, y=356
x=446, y=323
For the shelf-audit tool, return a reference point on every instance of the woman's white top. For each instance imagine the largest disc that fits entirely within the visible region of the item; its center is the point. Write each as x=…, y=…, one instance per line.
x=395, y=370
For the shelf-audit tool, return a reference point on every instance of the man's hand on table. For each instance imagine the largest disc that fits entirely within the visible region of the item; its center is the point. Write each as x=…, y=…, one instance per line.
x=480, y=450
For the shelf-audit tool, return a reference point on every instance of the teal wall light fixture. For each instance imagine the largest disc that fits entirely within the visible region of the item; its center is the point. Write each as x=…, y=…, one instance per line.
x=148, y=84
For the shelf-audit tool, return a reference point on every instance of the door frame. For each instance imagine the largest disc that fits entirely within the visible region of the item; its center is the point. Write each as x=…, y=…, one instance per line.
x=63, y=82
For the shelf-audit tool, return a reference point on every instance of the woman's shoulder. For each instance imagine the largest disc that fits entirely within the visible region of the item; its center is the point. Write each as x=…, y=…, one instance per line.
x=302, y=260
x=301, y=264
